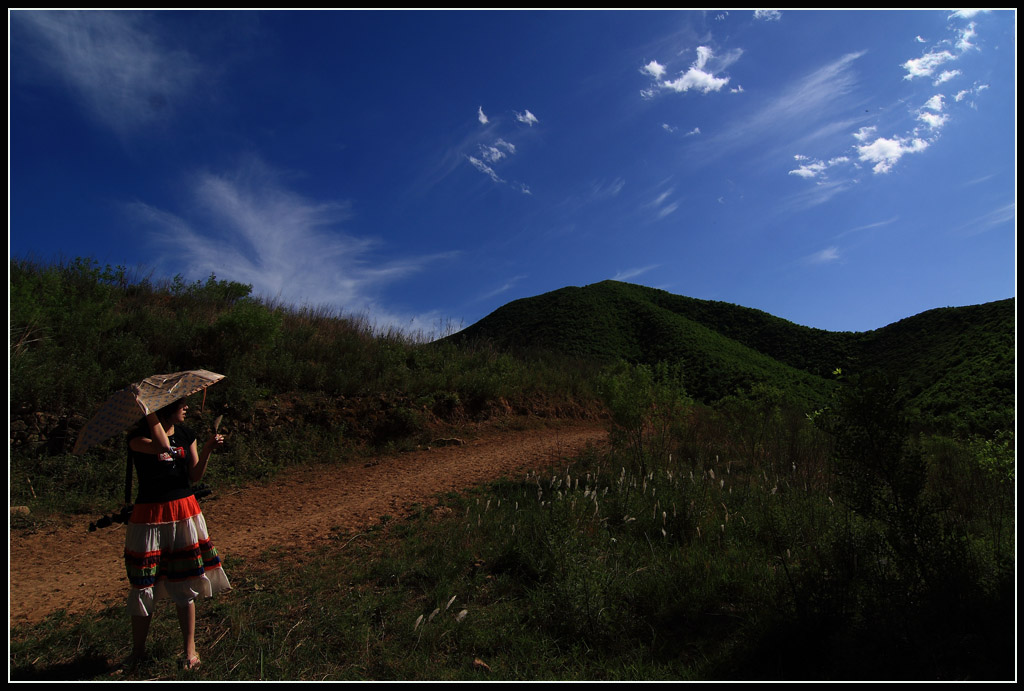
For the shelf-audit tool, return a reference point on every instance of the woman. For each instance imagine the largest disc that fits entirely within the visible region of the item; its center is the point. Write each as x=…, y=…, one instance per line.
x=168, y=552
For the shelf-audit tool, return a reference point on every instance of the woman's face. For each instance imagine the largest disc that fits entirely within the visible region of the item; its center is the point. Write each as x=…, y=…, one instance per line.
x=179, y=414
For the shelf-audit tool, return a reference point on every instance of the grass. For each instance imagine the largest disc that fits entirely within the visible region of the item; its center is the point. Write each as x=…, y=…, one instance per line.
x=713, y=568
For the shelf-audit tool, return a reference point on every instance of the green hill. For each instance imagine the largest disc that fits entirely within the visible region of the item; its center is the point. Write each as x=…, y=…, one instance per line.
x=956, y=363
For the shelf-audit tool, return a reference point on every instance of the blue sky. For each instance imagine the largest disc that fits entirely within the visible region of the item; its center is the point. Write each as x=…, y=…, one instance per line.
x=842, y=170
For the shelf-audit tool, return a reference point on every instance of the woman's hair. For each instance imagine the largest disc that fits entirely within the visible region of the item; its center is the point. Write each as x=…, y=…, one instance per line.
x=164, y=414
x=170, y=409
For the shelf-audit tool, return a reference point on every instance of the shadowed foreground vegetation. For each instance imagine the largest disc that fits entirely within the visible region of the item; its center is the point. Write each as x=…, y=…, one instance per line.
x=748, y=539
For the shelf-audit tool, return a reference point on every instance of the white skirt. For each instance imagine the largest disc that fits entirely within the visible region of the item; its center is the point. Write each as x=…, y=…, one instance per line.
x=168, y=553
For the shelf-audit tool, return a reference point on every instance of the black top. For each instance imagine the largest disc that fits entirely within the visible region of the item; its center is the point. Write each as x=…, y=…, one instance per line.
x=164, y=476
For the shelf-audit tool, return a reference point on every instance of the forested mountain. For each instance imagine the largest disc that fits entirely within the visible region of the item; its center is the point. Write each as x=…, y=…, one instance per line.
x=956, y=365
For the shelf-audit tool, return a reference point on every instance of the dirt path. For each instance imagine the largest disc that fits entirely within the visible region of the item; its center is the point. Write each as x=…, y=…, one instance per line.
x=71, y=568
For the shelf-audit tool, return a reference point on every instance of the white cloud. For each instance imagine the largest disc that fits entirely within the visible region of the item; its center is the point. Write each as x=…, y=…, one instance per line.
x=884, y=153
x=920, y=40
x=654, y=69
x=965, y=14
x=813, y=168
x=496, y=151
x=768, y=15
x=966, y=34
x=933, y=120
x=864, y=133
x=809, y=170
x=738, y=89
x=247, y=227
x=668, y=128
x=527, y=118
x=488, y=153
x=697, y=77
x=934, y=103
x=491, y=155
x=694, y=131
x=114, y=62
x=946, y=76
x=484, y=168
x=926, y=65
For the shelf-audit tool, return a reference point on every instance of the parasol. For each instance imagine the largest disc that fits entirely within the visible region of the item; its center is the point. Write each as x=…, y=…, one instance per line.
x=121, y=411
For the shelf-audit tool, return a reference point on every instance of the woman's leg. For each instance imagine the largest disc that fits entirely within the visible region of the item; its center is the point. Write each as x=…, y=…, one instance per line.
x=140, y=630
x=187, y=619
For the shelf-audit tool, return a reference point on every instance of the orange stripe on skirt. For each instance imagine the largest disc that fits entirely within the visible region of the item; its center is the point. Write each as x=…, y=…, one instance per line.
x=166, y=511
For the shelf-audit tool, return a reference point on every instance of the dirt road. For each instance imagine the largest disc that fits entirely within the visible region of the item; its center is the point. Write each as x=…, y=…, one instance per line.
x=71, y=568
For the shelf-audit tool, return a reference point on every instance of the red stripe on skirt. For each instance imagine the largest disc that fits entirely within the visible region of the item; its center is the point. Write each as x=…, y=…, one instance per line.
x=166, y=511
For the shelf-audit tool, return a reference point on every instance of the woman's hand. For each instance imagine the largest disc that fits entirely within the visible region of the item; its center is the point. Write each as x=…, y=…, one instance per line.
x=215, y=441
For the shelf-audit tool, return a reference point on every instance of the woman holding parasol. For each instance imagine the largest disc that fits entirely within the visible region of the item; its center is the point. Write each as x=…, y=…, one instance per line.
x=168, y=552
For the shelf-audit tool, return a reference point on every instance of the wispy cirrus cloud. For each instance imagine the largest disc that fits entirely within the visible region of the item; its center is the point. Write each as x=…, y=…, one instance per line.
x=993, y=219
x=247, y=226
x=767, y=15
x=629, y=274
x=868, y=226
x=607, y=190
x=504, y=288
x=115, y=63
x=662, y=204
x=803, y=102
x=825, y=256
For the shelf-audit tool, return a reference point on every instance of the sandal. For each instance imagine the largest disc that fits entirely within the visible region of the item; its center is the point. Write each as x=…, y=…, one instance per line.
x=191, y=664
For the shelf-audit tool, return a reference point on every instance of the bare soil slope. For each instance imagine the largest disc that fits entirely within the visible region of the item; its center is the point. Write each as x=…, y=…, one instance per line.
x=68, y=567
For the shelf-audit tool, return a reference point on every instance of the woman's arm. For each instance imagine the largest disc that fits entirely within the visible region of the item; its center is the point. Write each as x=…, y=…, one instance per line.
x=158, y=443
x=198, y=461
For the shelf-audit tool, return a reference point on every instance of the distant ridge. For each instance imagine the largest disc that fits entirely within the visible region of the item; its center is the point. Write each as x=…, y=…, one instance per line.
x=956, y=363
